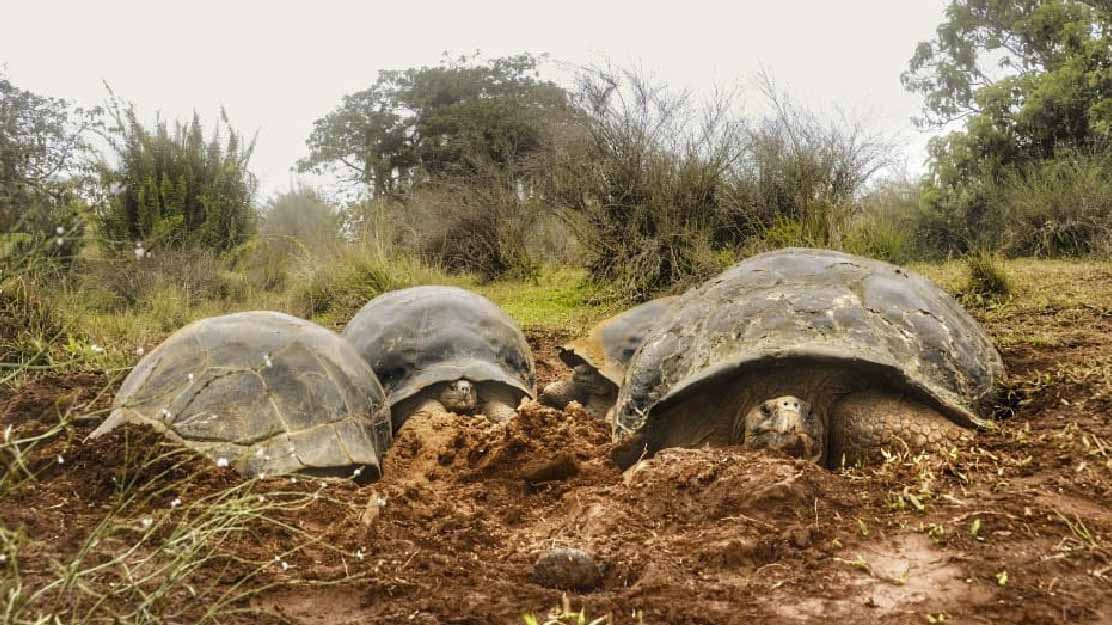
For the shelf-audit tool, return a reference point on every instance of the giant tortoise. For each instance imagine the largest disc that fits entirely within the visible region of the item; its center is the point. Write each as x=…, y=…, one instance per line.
x=437, y=348
x=822, y=354
x=262, y=392
x=598, y=361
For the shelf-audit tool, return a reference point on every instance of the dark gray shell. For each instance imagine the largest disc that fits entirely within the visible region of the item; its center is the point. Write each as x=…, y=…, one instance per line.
x=822, y=305
x=414, y=338
x=612, y=343
x=265, y=392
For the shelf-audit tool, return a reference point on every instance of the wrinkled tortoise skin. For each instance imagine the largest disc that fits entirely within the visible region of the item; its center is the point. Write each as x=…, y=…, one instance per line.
x=819, y=305
x=612, y=343
x=417, y=337
x=265, y=392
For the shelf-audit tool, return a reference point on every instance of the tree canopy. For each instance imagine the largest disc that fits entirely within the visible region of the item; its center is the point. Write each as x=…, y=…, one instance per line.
x=41, y=153
x=1027, y=77
x=419, y=123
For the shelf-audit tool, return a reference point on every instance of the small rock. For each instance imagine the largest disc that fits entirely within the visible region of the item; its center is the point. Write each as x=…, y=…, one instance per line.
x=561, y=467
x=567, y=568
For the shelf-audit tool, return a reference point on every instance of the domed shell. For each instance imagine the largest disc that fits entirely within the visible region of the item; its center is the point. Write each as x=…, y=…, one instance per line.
x=265, y=392
x=613, y=342
x=822, y=305
x=414, y=338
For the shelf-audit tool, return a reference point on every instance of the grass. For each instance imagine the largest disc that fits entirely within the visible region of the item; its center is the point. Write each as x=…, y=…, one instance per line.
x=558, y=298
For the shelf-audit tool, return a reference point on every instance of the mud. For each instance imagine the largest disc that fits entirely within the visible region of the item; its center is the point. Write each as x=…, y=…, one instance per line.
x=1013, y=528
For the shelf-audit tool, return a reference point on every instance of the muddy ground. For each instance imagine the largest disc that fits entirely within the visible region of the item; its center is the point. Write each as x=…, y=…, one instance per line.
x=1014, y=528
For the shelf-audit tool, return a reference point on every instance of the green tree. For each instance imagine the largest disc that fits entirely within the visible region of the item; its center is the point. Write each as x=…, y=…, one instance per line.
x=169, y=186
x=42, y=169
x=1029, y=80
x=420, y=123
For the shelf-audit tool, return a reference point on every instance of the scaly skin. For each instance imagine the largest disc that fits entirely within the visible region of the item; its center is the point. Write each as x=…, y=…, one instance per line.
x=586, y=386
x=864, y=423
x=560, y=393
x=499, y=403
x=855, y=415
x=461, y=397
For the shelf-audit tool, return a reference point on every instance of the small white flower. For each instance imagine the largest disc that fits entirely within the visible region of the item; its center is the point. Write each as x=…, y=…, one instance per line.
x=262, y=499
x=221, y=462
x=146, y=523
x=190, y=378
x=262, y=476
x=267, y=362
x=61, y=460
x=357, y=472
x=60, y=241
x=3, y=558
x=293, y=480
x=96, y=349
x=60, y=230
x=285, y=566
x=176, y=502
x=359, y=554
x=140, y=253
x=139, y=351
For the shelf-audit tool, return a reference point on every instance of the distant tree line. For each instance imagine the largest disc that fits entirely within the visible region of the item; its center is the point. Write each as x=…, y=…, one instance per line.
x=482, y=165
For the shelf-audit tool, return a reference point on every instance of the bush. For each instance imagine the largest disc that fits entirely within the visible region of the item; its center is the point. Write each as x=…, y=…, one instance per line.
x=128, y=281
x=1061, y=207
x=480, y=225
x=333, y=287
x=642, y=185
x=29, y=325
x=172, y=186
x=987, y=279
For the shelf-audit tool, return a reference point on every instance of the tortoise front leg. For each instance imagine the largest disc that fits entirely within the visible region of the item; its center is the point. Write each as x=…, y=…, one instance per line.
x=560, y=393
x=862, y=424
x=499, y=403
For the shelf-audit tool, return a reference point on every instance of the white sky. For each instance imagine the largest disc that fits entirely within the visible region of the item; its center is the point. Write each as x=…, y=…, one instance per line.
x=277, y=68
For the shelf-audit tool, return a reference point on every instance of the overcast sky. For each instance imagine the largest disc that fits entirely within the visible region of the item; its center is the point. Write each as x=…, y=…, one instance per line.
x=277, y=68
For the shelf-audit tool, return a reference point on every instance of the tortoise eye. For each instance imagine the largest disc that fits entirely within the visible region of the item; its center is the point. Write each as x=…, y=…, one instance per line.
x=766, y=410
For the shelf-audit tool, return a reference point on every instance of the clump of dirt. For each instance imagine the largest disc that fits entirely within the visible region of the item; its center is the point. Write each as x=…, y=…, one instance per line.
x=1014, y=527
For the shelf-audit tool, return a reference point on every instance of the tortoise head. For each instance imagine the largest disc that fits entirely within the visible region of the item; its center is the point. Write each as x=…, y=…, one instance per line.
x=787, y=423
x=460, y=397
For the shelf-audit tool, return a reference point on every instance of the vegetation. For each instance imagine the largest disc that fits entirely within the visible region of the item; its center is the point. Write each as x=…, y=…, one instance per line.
x=1029, y=83
x=613, y=190
x=171, y=186
x=43, y=168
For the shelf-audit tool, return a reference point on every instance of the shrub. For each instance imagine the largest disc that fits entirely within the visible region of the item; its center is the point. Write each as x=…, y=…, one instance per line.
x=333, y=287
x=29, y=325
x=172, y=186
x=132, y=279
x=480, y=226
x=1061, y=207
x=987, y=279
x=641, y=184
